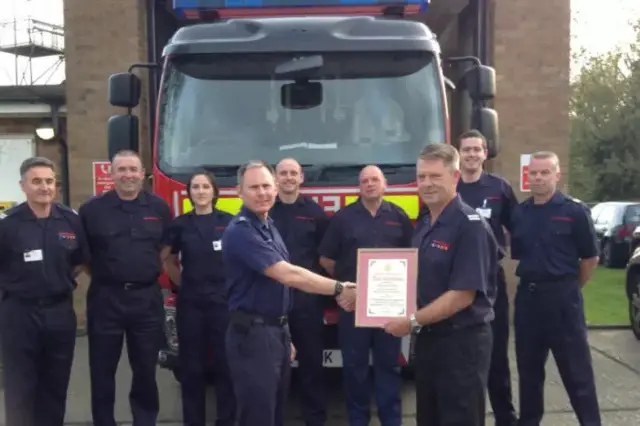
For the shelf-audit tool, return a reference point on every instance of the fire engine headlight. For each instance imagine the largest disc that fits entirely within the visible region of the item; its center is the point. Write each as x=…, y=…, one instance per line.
x=170, y=327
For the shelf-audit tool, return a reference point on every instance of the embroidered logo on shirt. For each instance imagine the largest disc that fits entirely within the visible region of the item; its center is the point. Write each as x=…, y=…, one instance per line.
x=562, y=218
x=440, y=245
x=67, y=236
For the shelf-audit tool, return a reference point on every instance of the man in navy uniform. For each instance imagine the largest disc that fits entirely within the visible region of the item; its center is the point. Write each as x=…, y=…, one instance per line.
x=494, y=200
x=302, y=223
x=368, y=223
x=126, y=228
x=457, y=269
x=259, y=280
x=42, y=249
x=554, y=239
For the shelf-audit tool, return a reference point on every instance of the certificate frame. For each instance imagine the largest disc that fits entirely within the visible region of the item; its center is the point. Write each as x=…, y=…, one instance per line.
x=407, y=264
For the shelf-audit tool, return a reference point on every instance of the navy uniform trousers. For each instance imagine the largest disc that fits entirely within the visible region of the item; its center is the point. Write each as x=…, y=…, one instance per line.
x=202, y=325
x=259, y=357
x=116, y=312
x=550, y=316
x=499, y=383
x=38, y=342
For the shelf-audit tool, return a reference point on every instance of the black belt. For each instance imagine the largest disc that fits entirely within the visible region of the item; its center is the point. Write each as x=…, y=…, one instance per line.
x=248, y=319
x=40, y=301
x=548, y=280
x=444, y=327
x=136, y=286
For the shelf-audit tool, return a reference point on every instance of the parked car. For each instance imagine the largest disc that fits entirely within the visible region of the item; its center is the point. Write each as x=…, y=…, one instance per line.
x=633, y=284
x=615, y=222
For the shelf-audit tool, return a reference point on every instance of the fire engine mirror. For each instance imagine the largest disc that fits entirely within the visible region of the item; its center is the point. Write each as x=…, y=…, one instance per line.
x=480, y=81
x=487, y=123
x=122, y=133
x=124, y=90
x=301, y=95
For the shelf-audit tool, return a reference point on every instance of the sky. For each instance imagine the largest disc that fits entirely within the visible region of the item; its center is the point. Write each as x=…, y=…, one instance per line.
x=596, y=28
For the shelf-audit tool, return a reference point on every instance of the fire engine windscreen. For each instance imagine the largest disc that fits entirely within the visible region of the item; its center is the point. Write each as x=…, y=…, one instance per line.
x=320, y=108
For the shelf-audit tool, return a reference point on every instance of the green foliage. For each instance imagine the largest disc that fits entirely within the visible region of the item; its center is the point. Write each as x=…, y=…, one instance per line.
x=605, y=127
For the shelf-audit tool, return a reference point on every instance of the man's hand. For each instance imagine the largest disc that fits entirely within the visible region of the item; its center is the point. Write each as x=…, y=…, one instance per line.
x=293, y=352
x=399, y=327
x=347, y=299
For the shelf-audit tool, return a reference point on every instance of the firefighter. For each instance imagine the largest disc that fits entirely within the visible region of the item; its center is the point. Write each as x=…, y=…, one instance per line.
x=457, y=272
x=125, y=228
x=554, y=239
x=42, y=249
x=493, y=198
x=202, y=311
x=369, y=222
x=259, y=278
x=302, y=222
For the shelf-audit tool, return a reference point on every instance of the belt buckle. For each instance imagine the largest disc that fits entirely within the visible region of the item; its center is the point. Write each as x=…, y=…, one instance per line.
x=128, y=286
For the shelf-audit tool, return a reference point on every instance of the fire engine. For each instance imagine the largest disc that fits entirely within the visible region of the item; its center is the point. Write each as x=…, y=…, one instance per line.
x=336, y=84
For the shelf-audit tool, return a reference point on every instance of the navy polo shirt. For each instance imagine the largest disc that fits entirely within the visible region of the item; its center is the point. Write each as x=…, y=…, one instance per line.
x=250, y=247
x=302, y=225
x=550, y=239
x=38, y=255
x=198, y=240
x=125, y=237
x=457, y=252
x=354, y=227
x=494, y=200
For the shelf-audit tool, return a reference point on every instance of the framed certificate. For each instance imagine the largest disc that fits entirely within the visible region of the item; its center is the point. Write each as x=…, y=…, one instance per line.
x=385, y=285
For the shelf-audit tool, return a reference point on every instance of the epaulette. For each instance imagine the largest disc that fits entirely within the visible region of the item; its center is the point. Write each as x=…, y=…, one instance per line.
x=242, y=219
x=66, y=209
x=6, y=213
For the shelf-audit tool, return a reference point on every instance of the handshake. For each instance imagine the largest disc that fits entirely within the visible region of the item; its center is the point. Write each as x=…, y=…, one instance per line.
x=347, y=299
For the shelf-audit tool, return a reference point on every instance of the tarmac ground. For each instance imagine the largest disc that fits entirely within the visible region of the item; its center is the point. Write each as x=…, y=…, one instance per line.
x=616, y=358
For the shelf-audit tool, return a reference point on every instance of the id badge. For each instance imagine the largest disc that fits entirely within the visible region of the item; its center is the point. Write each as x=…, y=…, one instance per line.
x=33, y=256
x=484, y=212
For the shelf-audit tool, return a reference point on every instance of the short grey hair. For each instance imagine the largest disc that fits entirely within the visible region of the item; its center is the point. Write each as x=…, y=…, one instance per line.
x=253, y=164
x=33, y=162
x=441, y=151
x=547, y=155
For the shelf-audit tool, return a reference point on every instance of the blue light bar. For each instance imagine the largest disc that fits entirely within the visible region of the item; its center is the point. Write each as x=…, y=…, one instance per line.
x=191, y=8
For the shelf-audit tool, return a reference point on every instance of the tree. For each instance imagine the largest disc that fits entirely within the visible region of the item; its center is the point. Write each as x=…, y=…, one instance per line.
x=605, y=127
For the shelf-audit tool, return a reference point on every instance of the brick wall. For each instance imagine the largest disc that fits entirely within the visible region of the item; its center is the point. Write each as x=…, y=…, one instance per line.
x=101, y=38
x=531, y=52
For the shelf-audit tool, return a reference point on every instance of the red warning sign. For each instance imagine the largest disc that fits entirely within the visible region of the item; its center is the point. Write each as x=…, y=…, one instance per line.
x=524, y=173
x=102, y=181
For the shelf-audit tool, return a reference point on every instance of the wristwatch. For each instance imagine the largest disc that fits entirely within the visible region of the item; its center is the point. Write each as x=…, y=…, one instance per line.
x=414, y=321
x=337, y=290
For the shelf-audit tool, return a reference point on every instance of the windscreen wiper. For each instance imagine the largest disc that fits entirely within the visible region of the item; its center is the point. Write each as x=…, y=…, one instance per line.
x=322, y=170
x=222, y=170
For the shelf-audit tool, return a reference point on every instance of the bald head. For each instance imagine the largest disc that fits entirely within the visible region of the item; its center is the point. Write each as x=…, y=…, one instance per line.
x=288, y=163
x=289, y=177
x=372, y=183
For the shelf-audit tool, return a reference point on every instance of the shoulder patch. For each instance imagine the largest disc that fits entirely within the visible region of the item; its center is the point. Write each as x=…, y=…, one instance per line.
x=242, y=219
x=473, y=217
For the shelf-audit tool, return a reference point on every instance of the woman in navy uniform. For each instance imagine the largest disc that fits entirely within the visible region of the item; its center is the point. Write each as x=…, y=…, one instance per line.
x=202, y=311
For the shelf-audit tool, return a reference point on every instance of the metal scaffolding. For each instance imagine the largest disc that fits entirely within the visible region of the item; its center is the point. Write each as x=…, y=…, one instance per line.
x=29, y=39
